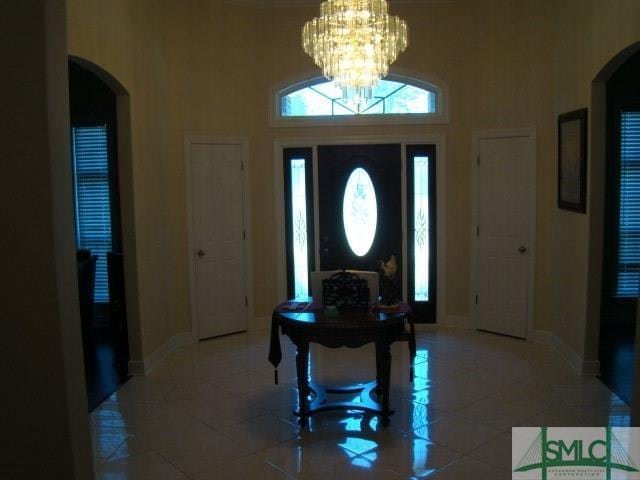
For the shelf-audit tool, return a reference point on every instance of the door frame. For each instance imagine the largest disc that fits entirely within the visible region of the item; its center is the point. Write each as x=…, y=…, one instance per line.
x=243, y=142
x=437, y=139
x=476, y=137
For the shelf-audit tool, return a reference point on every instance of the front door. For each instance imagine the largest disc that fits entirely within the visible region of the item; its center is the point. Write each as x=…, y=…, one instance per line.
x=506, y=179
x=360, y=206
x=218, y=236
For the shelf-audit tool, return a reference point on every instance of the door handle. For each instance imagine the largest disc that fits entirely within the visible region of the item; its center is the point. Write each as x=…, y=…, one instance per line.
x=522, y=249
x=201, y=253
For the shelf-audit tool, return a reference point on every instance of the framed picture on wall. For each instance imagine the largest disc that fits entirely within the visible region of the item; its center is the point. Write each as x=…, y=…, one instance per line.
x=572, y=161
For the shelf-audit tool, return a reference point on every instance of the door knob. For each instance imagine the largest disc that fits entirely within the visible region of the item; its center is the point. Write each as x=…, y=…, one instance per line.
x=201, y=253
x=522, y=249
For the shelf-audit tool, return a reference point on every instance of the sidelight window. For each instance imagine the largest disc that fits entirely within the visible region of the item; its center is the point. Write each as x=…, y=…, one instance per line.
x=421, y=227
x=299, y=220
x=421, y=198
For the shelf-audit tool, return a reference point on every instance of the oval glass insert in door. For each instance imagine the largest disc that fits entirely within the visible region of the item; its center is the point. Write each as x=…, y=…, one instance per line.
x=359, y=212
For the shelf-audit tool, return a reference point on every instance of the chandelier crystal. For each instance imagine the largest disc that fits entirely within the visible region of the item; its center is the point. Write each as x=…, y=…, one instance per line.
x=354, y=42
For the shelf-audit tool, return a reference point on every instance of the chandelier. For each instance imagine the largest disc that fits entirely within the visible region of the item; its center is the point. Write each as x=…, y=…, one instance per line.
x=354, y=42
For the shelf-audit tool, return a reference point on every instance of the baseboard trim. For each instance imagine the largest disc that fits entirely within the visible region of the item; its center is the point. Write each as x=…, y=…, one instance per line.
x=146, y=365
x=574, y=359
x=591, y=368
x=542, y=336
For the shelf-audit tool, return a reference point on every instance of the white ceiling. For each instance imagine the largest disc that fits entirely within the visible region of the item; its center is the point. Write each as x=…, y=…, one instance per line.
x=306, y=3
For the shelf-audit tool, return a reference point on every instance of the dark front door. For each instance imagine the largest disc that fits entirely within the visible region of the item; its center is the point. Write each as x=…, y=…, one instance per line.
x=360, y=206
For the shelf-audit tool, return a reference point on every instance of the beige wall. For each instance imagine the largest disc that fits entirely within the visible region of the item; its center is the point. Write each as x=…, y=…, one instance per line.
x=587, y=35
x=43, y=408
x=188, y=70
x=202, y=67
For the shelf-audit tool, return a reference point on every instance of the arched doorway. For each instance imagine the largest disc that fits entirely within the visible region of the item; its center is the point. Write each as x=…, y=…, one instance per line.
x=101, y=165
x=616, y=115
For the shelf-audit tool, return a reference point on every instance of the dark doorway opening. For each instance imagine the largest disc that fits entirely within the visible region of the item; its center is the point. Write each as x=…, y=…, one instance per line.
x=621, y=255
x=98, y=233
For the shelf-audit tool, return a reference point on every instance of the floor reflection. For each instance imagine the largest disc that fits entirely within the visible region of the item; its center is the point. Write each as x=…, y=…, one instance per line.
x=422, y=387
x=213, y=405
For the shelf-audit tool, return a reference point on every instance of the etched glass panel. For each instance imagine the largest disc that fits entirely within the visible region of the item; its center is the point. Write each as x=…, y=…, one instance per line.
x=421, y=227
x=408, y=99
x=386, y=88
x=305, y=103
x=299, y=230
x=374, y=108
x=389, y=97
x=339, y=109
x=328, y=89
x=360, y=212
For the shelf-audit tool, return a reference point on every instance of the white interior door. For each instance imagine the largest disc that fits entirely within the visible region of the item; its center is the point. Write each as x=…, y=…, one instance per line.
x=506, y=177
x=218, y=236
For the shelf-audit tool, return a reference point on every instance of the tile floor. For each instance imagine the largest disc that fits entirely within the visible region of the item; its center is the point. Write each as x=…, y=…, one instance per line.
x=212, y=412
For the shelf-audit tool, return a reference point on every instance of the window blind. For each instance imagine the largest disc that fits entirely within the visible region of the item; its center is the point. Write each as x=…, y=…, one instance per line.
x=93, y=214
x=629, y=218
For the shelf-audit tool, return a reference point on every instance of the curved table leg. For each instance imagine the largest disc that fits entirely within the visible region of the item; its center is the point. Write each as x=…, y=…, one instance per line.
x=302, y=371
x=378, y=377
x=383, y=357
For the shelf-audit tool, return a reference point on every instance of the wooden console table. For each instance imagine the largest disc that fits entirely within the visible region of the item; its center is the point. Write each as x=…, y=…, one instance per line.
x=306, y=323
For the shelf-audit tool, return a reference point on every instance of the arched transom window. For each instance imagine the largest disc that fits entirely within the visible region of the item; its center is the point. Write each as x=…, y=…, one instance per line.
x=396, y=98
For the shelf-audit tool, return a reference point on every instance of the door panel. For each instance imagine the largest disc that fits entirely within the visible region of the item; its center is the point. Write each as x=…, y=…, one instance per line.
x=504, y=216
x=382, y=163
x=218, y=239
